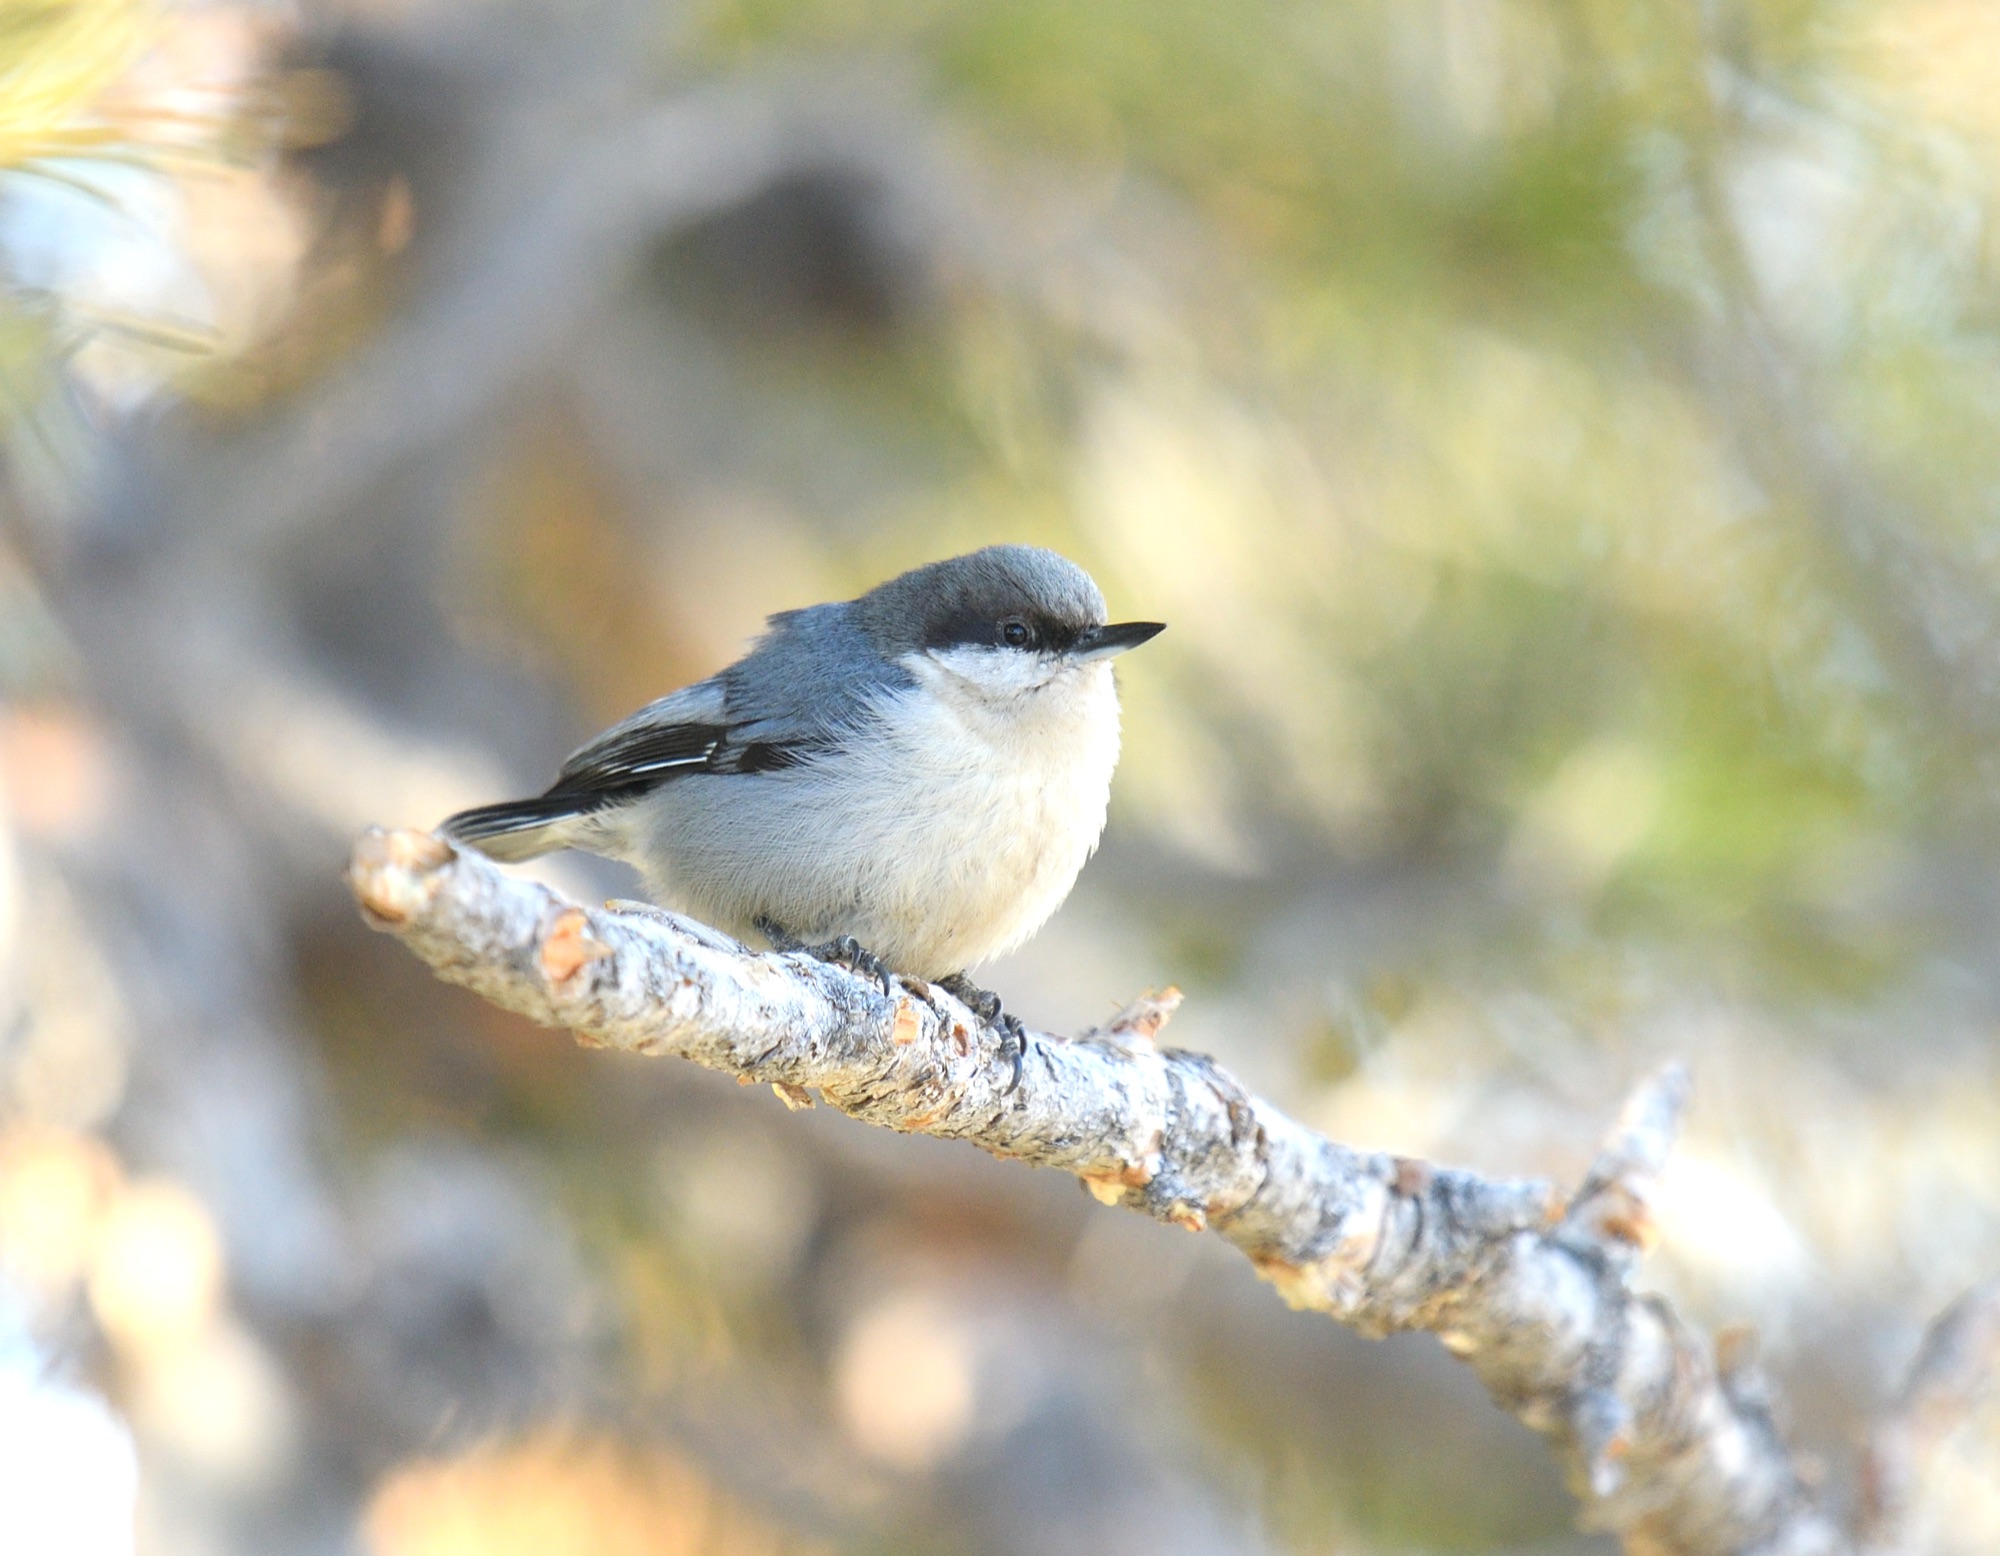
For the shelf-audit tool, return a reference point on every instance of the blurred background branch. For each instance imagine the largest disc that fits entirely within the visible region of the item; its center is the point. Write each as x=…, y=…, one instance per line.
x=1954, y=1370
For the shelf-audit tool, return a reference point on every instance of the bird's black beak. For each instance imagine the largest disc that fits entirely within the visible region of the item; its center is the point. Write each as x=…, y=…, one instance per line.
x=1103, y=642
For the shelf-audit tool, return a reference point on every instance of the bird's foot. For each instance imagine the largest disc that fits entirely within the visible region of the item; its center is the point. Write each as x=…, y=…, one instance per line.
x=985, y=1004
x=841, y=951
x=846, y=951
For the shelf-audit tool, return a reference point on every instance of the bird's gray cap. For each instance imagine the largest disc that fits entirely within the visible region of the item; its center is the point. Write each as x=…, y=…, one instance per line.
x=959, y=600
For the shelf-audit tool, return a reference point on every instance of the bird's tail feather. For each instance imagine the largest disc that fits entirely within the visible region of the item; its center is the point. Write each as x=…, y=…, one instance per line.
x=514, y=830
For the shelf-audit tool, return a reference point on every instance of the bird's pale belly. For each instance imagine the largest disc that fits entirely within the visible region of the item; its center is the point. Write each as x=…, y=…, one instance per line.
x=942, y=858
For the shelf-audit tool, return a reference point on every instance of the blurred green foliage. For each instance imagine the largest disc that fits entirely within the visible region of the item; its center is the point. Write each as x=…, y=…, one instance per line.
x=1557, y=453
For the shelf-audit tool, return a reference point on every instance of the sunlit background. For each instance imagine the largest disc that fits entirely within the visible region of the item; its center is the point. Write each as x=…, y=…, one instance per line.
x=1563, y=436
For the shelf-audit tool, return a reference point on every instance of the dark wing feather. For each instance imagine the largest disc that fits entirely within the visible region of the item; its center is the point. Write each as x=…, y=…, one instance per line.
x=674, y=735
x=638, y=754
x=677, y=734
x=520, y=821
x=635, y=757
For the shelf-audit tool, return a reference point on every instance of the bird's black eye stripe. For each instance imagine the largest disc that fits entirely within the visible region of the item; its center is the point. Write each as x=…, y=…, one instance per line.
x=981, y=628
x=1056, y=636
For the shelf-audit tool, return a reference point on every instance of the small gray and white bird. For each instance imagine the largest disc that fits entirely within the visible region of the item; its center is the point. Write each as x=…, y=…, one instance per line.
x=909, y=780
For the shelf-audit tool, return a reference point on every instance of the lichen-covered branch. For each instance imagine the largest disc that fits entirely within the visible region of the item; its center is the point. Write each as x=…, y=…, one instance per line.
x=1668, y=1446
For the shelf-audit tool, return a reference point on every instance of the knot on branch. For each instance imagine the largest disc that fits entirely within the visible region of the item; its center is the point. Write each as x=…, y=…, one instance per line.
x=1611, y=1215
x=394, y=875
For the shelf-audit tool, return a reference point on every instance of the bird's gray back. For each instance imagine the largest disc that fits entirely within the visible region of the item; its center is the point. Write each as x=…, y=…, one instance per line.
x=814, y=673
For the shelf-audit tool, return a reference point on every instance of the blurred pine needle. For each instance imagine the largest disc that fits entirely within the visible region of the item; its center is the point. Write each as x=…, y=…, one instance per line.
x=57, y=59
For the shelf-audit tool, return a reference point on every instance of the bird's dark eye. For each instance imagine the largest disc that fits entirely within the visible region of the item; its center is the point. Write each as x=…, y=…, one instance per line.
x=1016, y=633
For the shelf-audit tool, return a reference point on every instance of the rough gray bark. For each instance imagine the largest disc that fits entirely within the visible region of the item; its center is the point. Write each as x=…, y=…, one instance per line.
x=1667, y=1443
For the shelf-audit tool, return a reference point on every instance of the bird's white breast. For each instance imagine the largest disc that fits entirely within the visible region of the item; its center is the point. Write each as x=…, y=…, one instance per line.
x=945, y=837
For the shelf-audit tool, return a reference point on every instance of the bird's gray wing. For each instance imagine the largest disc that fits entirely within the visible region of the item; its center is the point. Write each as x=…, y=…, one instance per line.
x=810, y=678
x=679, y=733
x=766, y=712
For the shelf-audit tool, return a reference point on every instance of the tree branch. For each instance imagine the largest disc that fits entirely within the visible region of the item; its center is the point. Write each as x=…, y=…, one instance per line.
x=1677, y=1454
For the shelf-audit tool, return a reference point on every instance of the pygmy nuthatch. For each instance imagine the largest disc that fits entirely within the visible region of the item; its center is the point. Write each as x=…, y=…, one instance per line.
x=909, y=780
